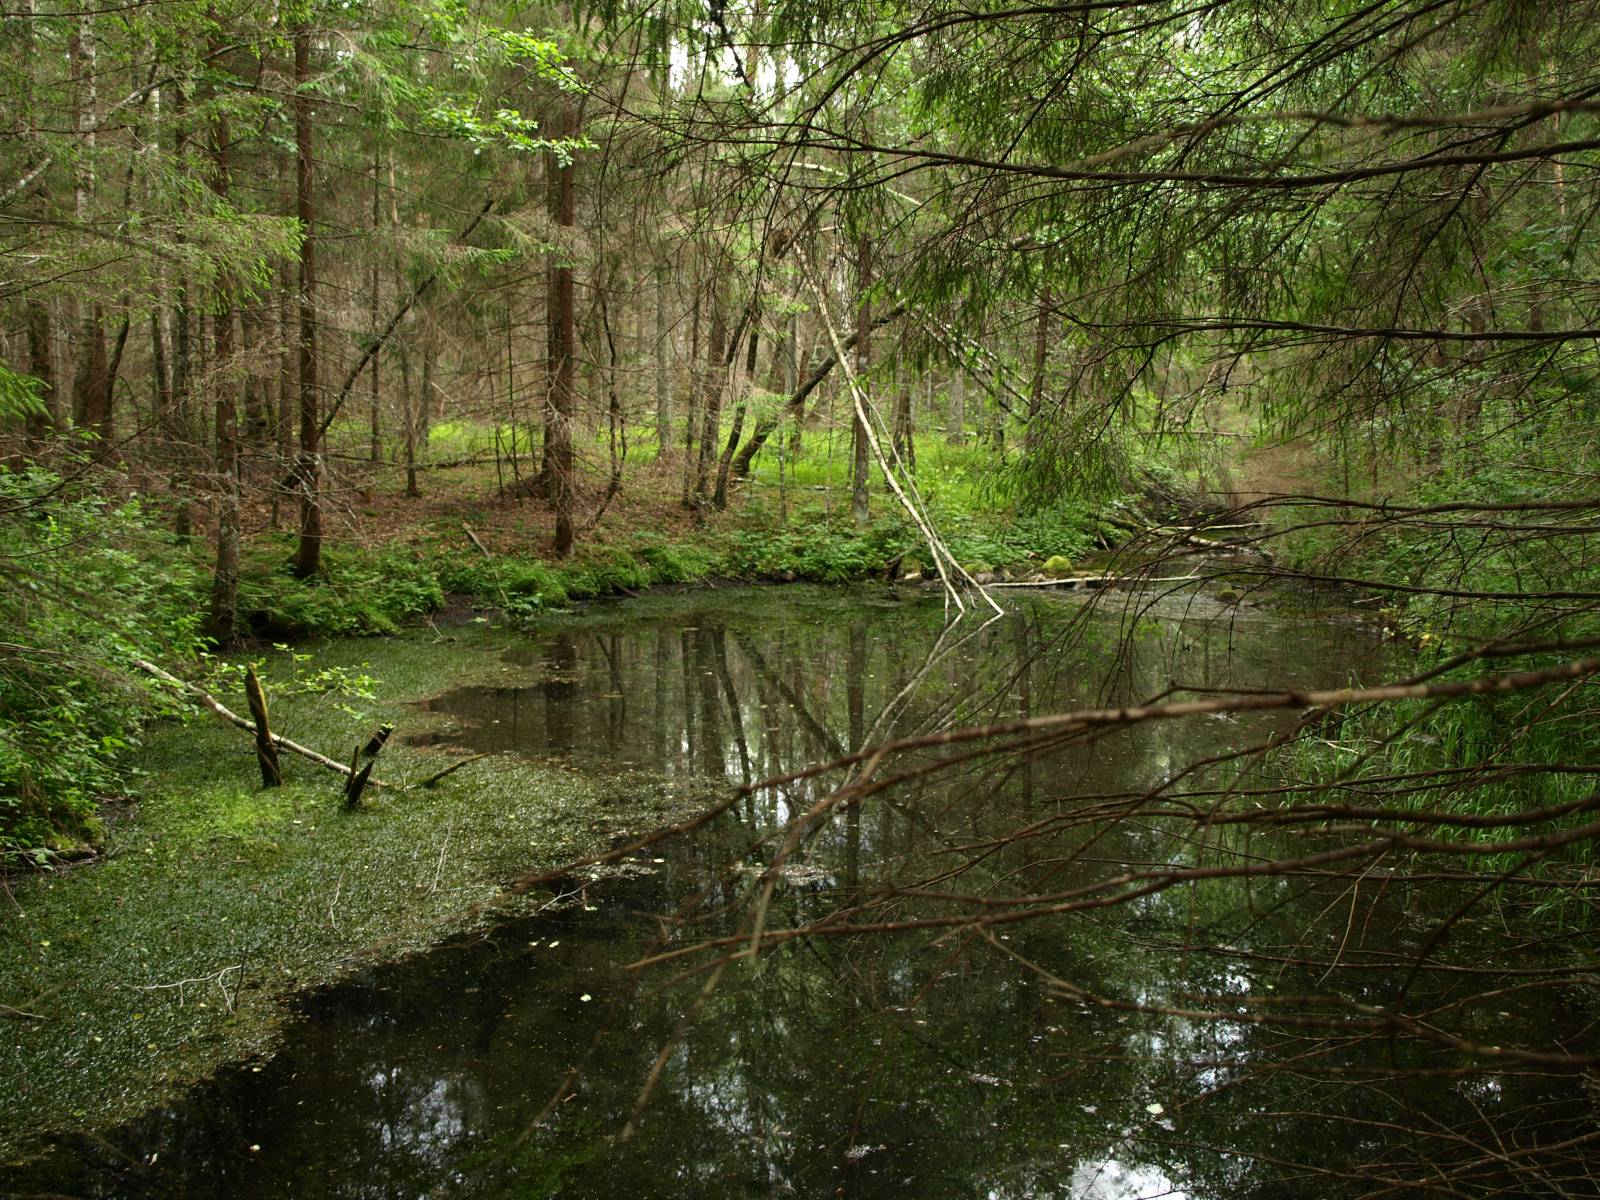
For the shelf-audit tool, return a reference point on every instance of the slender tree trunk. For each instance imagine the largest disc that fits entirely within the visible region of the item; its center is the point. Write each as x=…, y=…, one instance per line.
x=41, y=365
x=223, y=619
x=160, y=371
x=119, y=344
x=374, y=284
x=956, y=427
x=905, y=446
x=715, y=381
x=616, y=418
x=408, y=409
x=747, y=381
x=425, y=404
x=663, y=365
x=797, y=356
x=41, y=362
x=563, y=398
x=149, y=159
x=256, y=335
x=91, y=389
x=179, y=427
x=284, y=417
x=860, y=457
x=1034, y=433
x=552, y=339
x=995, y=414
x=182, y=364
x=696, y=387
x=511, y=404
x=308, y=554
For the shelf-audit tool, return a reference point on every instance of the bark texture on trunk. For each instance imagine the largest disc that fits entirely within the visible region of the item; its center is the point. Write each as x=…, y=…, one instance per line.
x=308, y=467
x=563, y=398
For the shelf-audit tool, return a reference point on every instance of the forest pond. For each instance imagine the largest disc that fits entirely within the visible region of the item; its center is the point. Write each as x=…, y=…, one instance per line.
x=930, y=1060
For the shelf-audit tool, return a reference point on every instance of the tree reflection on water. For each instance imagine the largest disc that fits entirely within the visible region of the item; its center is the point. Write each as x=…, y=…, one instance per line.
x=1054, y=964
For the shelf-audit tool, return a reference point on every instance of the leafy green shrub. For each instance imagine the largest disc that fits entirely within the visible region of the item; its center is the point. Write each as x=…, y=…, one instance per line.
x=671, y=563
x=601, y=570
x=86, y=586
x=1067, y=531
x=355, y=594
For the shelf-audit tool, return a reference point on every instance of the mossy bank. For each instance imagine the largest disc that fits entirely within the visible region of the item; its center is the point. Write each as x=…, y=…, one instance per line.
x=216, y=900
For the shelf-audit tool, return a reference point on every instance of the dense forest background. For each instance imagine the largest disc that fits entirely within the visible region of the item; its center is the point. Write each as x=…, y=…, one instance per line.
x=312, y=314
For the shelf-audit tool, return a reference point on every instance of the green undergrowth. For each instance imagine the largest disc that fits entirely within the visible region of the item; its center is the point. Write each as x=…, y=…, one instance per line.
x=379, y=591
x=217, y=898
x=87, y=584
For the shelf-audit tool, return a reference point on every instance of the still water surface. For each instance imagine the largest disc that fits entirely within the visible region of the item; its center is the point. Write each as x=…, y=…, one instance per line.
x=925, y=1063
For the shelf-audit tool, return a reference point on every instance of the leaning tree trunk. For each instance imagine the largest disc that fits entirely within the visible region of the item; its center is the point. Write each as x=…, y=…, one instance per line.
x=746, y=383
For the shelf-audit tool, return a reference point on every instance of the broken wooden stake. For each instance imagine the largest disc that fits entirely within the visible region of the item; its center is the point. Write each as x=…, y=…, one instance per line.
x=266, y=752
x=360, y=775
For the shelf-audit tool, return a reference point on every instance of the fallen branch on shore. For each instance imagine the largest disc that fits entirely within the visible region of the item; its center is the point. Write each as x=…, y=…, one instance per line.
x=433, y=780
x=234, y=719
x=482, y=549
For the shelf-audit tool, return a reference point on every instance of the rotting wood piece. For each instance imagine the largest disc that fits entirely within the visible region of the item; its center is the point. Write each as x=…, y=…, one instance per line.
x=266, y=752
x=359, y=777
x=434, y=779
